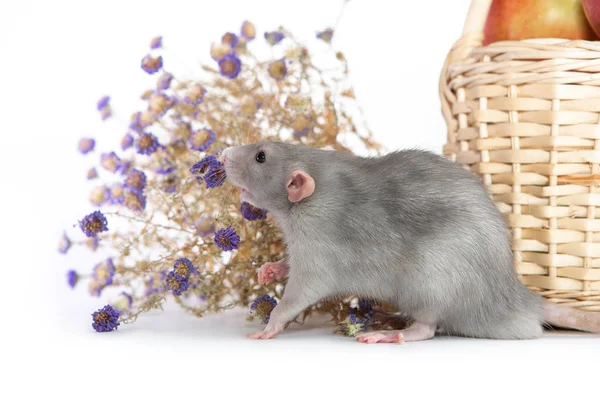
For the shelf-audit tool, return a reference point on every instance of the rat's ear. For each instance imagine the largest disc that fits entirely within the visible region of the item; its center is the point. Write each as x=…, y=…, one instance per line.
x=299, y=185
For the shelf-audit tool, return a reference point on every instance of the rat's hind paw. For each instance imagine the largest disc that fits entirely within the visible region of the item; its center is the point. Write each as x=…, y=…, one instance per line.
x=380, y=337
x=267, y=334
x=415, y=332
x=270, y=272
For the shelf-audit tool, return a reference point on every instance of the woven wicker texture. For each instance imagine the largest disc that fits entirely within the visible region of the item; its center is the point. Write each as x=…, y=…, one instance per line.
x=525, y=117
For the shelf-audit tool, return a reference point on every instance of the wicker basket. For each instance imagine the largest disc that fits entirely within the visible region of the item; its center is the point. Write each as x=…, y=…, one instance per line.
x=525, y=117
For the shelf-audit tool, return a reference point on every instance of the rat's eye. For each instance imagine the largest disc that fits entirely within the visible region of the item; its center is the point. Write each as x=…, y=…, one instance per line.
x=261, y=157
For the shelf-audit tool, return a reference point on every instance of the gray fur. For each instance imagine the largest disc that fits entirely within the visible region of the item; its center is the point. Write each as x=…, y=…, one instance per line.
x=410, y=228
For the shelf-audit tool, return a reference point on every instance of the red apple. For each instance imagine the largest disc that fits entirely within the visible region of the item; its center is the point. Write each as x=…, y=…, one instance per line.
x=592, y=12
x=528, y=19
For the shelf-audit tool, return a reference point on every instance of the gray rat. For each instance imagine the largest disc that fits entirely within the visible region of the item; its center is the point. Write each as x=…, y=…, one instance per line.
x=410, y=228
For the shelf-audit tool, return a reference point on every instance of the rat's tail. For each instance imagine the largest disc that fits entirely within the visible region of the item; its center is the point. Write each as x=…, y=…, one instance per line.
x=568, y=317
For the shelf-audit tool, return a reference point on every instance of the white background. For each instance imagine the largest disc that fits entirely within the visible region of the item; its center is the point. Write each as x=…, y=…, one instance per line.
x=58, y=57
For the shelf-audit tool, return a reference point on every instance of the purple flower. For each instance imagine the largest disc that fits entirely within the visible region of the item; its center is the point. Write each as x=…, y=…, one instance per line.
x=204, y=165
x=105, y=113
x=92, y=243
x=195, y=281
x=274, y=37
x=103, y=103
x=248, y=30
x=219, y=50
x=252, y=213
x=230, y=39
x=177, y=284
x=277, y=69
x=159, y=103
x=156, y=42
x=117, y=194
x=126, y=142
x=183, y=268
x=104, y=272
x=352, y=325
x=92, y=173
x=359, y=319
x=136, y=123
x=147, y=143
x=262, y=307
x=123, y=302
x=141, y=120
x=129, y=298
x=134, y=199
x=72, y=278
x=364, y=321
x=326, y=35
x=64, y=244
x=106, y=319
x=99, y=195
x=215, y=176
x=170, y=183
x=110, y=161
x=230, y=65
x=302, y=132
x=156, y=283
x=124, y=167
x=164, y=166
x=202, y=139
x=181, y=133
x=152, y=64
x=227, y=239
x=164, y=82
x=205, y=225
x=195, y=94
x=364, y=304
x=95, y=288
x=86, y=145
x=93, y=223
x=136, y=179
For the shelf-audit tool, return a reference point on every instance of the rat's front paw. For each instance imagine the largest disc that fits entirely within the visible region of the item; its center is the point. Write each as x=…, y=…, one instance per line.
x=266, y=334
x=270, y=272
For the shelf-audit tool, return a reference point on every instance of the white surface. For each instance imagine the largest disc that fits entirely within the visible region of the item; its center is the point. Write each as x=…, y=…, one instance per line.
x=58, y=57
